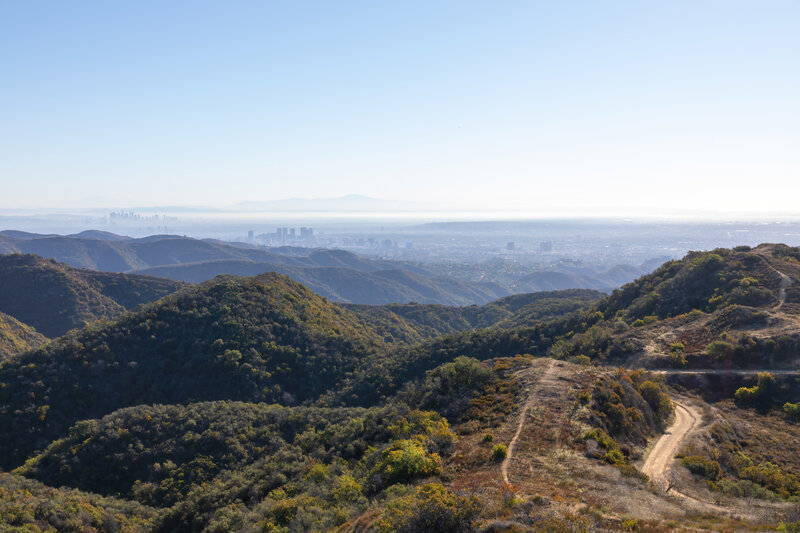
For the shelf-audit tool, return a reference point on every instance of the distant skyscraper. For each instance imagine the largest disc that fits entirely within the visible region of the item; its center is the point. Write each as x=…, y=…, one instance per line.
x=250, y=235
x=546, y=246
x=510, y=245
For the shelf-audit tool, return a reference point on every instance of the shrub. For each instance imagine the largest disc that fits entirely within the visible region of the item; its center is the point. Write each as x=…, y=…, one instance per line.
x=408, y=459
x=428, y=424
x=613, y=455
x=677, y=355
x=792, y=410
x=720, y=350
x=701, y=466
x=582, y=360
x=743, y=488
x=499, y=452
x=431, y=508
x=488, y=437
x=657, y=399
x=771, y=476
x=759, y=395
x=789, y=527
x=630, y=524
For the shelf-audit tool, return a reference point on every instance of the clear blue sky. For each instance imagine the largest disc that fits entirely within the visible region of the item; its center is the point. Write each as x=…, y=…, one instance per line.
x=501, y=104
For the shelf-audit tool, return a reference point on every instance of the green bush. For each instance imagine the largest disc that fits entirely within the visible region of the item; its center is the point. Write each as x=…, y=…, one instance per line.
x=677, y=355
x=488, y=437
x=613, y=455
x=499, y=452
x=701, y=466
x=789, y=527
x=771, y=476
x=760, y=395
x=792, y=410
x=431, y=508
x=654, y=395
x=743, y=488
x=409, y=459
x=720, y=350
x=582, y=360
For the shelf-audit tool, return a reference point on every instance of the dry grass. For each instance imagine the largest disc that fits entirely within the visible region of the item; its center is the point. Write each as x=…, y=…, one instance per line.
x=549, y=467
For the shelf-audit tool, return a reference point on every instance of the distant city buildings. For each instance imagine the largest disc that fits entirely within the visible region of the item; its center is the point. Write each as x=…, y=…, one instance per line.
x=546, y=246
x=510, y=245
x=285, y=235
x=130, y=216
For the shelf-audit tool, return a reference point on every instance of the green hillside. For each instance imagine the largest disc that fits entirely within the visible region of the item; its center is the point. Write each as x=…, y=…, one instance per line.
x=172, y=449
x=254, y=404
x=265, y=338
x=16, y=337
x=55, y=298
x=31, y=507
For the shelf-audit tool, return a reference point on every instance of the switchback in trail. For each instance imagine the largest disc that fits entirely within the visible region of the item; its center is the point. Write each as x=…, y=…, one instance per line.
x=659, y=462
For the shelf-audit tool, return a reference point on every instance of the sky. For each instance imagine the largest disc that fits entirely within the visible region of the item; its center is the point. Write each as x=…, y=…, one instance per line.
x=652, y=105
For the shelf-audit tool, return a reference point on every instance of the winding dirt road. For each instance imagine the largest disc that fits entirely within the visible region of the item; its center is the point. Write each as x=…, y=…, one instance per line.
x=659, y=462
x=544, y=378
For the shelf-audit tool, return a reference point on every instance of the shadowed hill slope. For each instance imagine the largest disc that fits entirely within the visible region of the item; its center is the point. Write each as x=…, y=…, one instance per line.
x=346, y=284
x=114, y=253
x=55, y=298
x=415, y=322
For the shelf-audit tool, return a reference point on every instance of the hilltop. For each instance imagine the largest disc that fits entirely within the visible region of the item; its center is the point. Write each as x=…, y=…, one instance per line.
x=724, y=308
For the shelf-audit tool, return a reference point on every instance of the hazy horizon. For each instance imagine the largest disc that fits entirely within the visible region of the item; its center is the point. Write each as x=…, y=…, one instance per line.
x=362, y=208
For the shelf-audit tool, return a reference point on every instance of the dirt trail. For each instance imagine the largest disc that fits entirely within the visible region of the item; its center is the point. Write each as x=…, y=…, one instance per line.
x=784, y=284
x=546, y=379
x=724, y=371
x=659, y=462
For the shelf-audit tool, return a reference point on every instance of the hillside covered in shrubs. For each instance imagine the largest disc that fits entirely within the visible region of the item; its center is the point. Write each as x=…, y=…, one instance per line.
x=253, y=404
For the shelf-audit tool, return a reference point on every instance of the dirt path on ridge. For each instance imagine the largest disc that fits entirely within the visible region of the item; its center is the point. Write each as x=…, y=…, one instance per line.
x=546, y=377
x=784, y=284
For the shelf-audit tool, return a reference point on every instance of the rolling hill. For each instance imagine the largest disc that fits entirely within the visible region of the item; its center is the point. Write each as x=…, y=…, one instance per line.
x=264, y=338
x=115, y=253
x=336, y=274
x=346, y=284
x=55, y=298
